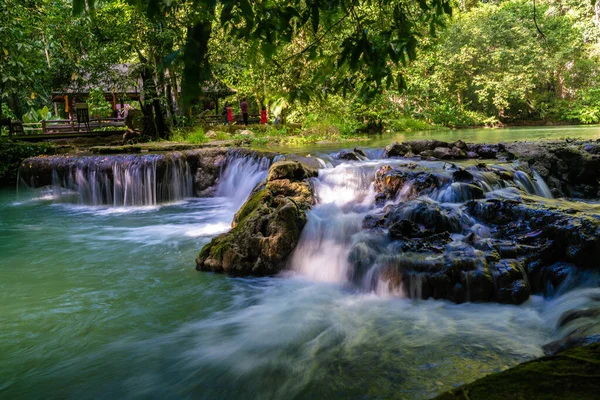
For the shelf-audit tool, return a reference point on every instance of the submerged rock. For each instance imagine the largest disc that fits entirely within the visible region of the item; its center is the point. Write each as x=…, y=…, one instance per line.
x=572, y=374
x=268, y=226
x=348, y=155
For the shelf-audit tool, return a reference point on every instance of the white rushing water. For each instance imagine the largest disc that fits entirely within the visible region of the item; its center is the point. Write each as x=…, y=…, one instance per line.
x=345, y=196
x=240, y=175
x=124, y=181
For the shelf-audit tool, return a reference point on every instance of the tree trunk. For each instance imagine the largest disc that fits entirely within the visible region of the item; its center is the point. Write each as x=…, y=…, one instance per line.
x=154, y=119
x=196, y=66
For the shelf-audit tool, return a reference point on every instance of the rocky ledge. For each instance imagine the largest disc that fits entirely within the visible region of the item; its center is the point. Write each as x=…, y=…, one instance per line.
x=438, y=236
x=267, y=227
x=569, y=167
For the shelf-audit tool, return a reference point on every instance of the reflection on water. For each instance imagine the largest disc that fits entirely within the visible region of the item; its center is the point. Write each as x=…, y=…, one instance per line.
x=586, y=132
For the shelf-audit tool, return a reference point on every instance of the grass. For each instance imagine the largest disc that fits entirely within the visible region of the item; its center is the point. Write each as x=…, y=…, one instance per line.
x=315, y=129
x=193, y=135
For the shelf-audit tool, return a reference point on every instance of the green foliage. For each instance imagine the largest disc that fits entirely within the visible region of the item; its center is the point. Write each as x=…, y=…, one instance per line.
x=493, y=64
x=37, y=116
x=97, y=104
x=13, y=153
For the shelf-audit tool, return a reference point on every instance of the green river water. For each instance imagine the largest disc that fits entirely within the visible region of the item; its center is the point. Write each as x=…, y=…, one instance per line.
x=104, y=302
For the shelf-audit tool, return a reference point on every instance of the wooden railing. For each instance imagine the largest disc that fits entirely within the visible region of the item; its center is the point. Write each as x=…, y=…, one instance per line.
x=67, y=125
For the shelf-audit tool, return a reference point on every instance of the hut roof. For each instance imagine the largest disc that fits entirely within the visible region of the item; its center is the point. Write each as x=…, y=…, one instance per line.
x=123, y=78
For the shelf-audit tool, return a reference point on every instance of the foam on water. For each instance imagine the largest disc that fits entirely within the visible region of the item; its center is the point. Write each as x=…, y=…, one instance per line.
x=345, y=195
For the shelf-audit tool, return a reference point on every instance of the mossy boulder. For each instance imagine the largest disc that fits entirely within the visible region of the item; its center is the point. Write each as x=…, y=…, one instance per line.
x=267, y=227
x=572, y=374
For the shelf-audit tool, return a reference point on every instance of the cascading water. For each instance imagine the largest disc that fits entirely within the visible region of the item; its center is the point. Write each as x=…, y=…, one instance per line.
x=142, y=180
x=239, y=176
x=341, y=243
x=124, y=180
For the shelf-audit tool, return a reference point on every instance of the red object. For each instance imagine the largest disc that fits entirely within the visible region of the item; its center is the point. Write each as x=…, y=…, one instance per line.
x=229, y=114
x=263, y=116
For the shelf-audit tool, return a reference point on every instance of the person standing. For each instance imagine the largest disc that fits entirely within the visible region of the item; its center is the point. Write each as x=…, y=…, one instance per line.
x=225, y=112
x=229, y=114
x=263, y=115
x=244, y=109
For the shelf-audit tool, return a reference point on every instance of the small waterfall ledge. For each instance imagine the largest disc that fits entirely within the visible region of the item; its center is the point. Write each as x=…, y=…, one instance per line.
x=149, y=179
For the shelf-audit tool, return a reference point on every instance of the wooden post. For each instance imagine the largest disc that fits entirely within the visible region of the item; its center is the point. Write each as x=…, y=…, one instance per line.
x=43, y=126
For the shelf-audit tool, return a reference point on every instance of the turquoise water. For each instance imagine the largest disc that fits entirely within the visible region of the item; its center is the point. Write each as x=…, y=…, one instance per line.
x=585, y=132
x=99, y=302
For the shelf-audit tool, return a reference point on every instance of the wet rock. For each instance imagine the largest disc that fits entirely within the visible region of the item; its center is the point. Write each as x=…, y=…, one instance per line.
x=547, y=279
x=395, y=150
x=510, y=282
x=246, y=132
x=360, y=152
x=486, y=151
x=459, y=192
x=569, y=342
x=373, y=222
x=348, y=155
x=574, y=315
x=428, y=215
x=391, y=180
x=291, y=170
x=559, y=234
x=459, y=144
x=267, y=228
x=404, y=229
x=456, y=276
x=443, y=153
x=592, y=148
x=462, y=175
x=419, y=146
x=207, y=166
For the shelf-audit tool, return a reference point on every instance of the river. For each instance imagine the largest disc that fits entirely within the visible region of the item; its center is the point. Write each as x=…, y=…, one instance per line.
x=104, y=302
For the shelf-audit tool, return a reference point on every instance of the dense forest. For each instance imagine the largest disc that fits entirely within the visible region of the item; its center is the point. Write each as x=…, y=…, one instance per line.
x=347, y=63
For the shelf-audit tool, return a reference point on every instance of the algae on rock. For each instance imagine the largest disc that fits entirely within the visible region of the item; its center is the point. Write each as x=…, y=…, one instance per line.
x=572, y=374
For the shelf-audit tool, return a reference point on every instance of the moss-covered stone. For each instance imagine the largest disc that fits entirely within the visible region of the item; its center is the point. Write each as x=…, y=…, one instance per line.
x=267, y=227
x=572, y=374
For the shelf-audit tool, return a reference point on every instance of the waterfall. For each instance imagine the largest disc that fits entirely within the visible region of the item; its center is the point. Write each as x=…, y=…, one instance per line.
x=124, y=180
x=338, y=243
x=241, y=174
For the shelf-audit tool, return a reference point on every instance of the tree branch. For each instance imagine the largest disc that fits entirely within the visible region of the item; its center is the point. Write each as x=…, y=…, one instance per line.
x=316, y=41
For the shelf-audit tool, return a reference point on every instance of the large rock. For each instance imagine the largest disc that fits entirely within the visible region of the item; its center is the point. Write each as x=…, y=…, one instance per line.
x=268, y=226
x=396, y=150
x=554, y=233
x=390, y=180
